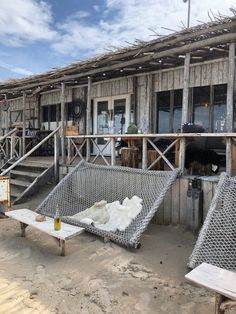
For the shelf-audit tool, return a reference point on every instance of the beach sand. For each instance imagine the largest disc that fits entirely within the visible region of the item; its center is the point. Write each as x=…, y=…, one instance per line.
x=96, y=277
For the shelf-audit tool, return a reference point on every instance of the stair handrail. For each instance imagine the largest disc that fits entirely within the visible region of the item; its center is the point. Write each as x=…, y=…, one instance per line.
x=31, y=151
x=2, y=138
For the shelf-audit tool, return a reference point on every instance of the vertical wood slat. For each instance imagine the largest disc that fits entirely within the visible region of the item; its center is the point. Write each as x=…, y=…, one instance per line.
x=63, y=153
x=185, y=107
x=229, y=119
x=183, y=201
x=88, y=118
x=167, y=207
x=207, y=196
x=24, y=124
x=175, y=203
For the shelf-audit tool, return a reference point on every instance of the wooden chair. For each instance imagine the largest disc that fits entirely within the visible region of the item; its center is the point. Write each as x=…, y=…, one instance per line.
x=219, y=280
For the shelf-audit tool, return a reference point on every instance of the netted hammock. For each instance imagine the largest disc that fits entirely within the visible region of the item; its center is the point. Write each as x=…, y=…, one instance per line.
x=216, y=243
x=89, y=183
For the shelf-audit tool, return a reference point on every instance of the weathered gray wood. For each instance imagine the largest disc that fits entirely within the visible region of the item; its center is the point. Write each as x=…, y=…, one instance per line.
x=113, y=152
x=221, y=39
x=214, y=278
x=230, y=107
x=56, y=158
x=183, y=201
x=207, y=196
x=63, y=123
x=144, y=154
x=175, y=203
x=24, y=124
x=184, y=108
x=88, y=118
x=167, y=208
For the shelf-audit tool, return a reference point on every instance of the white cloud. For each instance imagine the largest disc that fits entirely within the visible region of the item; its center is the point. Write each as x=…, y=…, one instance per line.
x=15, y=69
x=131, y=19
x=23, y=21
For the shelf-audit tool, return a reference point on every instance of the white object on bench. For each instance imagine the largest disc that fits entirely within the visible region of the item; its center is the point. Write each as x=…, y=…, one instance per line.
x=217, y=279
x=26, y=218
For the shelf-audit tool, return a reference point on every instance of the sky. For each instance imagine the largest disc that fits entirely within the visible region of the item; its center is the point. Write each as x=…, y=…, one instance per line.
x=40, y=35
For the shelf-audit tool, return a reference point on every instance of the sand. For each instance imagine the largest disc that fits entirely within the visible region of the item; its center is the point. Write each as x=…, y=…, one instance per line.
x=96, y=277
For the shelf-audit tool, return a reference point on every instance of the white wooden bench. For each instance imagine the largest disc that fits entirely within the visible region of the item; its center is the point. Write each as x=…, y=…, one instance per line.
x=26, y=218
x=219, y=280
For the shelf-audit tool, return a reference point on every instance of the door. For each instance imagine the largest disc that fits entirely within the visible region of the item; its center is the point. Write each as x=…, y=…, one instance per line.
x=111, y=116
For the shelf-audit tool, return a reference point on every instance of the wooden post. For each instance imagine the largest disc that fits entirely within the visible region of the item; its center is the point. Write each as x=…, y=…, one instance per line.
x=230, y=107
x=184, y=109
x=88, y=118
x=7, y=117
x=56, y=158
x=24, y=124
x=63, y=151
x=144, y=157
x=113, y=152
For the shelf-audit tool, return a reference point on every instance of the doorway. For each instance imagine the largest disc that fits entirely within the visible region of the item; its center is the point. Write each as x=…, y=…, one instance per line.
x=111, y=116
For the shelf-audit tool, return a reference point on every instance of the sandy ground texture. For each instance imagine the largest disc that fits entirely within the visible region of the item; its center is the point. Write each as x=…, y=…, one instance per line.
x=96, y=277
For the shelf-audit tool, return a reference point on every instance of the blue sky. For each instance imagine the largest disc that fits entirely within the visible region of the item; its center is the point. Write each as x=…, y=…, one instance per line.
x=38, y=35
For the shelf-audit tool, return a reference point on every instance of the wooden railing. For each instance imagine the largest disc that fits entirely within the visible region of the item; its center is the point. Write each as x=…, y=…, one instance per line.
x=55, y=135
x=9, y=146
x=78, y=143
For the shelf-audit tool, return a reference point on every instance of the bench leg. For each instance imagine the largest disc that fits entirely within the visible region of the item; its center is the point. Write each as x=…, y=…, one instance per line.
x=23, y=227
x=63, y=247
x=218, y=301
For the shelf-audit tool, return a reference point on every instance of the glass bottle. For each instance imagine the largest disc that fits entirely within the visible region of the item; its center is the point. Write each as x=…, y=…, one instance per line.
x=57, y=220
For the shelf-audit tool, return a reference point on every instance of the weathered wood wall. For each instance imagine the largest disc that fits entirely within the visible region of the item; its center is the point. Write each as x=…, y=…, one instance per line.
x=114, y=87
x=173, y=209
x=16, y=105
x=206, y=73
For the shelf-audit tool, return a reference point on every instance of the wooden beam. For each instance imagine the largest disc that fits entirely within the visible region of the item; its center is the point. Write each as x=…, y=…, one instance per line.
x=221, y=39
x=24, y=124
x=88, y=117
x=184, y=108
x=230, y=107
x=63, y=151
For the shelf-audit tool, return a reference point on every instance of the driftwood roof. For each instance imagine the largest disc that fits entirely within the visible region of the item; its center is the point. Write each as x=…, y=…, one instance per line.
x=205, y=41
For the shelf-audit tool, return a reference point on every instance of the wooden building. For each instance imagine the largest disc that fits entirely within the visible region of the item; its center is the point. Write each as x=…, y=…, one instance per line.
x=188, y=76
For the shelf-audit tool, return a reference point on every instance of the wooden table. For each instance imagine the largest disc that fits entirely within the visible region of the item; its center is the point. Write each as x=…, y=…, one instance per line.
x=219, y=280
x=26, y=218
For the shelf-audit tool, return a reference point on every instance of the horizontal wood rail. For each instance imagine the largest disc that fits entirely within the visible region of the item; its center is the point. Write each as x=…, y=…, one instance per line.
x=75, y=145
x=56, y=151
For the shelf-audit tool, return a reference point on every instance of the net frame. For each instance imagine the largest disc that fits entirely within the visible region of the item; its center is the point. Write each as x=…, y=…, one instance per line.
x=89, y=183
x=216, y=243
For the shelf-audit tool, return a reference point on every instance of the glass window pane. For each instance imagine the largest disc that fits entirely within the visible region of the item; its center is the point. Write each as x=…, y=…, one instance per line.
x=163, y=105
x=102, y=120
x=201, y=105
x=219, y=110
x=45, y=113
x=69, y=112
x=119, y=116
x=177, y=110
x=53, y=113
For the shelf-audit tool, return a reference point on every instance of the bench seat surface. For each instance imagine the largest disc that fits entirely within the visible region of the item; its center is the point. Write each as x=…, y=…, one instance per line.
x=214, y=278
x=28, y=217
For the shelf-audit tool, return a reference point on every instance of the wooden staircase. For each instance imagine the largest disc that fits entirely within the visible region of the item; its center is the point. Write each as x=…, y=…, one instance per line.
x=27, y=178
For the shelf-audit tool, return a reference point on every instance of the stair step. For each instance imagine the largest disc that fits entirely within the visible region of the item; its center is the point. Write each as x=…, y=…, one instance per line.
x=25, y=173
x=15, y=194
x=20, y=183
x=30, y=165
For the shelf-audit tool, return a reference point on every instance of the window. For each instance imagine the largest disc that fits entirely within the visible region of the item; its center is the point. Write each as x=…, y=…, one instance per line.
x=45, y=113
x=219, y=109
x=163, y=105
x=177, y=110
x=201, y=106
x=169, y=113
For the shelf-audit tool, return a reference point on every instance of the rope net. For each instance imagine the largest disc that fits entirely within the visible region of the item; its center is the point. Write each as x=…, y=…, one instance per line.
x=89, y=183
x=216, y=243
